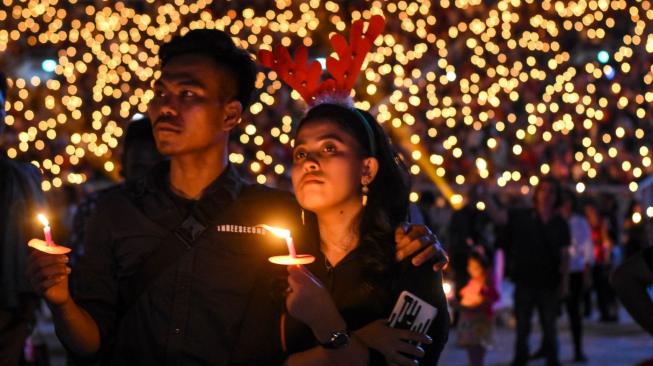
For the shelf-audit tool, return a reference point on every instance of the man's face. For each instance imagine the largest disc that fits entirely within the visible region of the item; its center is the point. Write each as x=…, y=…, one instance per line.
x=545, y=195
x=188, y=109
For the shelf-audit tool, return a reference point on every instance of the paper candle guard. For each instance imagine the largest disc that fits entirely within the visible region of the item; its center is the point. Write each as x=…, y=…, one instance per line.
x=43, y=246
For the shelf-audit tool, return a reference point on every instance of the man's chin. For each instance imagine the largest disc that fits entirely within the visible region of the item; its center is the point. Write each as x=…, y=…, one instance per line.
x=167, y=149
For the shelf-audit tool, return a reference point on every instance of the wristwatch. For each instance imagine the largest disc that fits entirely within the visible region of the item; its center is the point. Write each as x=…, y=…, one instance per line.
x=337, y=340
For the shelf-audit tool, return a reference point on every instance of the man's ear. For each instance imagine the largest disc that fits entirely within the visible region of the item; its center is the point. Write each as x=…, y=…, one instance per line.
x=233, y=112
x=370, y=169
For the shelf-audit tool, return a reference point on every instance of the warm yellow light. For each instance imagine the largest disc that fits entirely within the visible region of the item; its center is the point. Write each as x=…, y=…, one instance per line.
x=280, y=232
x=43, y=219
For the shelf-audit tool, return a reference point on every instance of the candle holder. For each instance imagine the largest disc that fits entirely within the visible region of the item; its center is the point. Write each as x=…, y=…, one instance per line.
x=48, y=245
x=45, y=247
x=292, y=259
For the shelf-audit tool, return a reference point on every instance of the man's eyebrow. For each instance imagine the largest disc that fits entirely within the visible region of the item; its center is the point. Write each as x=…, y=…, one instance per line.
x=180, y=80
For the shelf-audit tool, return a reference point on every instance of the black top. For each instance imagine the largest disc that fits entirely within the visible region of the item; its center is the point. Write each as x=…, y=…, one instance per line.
x=361, y=300
x=20, y=200
x=536, y=248
x=648, y=257
x=216, y=304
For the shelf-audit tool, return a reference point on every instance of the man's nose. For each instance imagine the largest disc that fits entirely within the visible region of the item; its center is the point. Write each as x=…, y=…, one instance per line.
x=168, y=105
x=311, y=163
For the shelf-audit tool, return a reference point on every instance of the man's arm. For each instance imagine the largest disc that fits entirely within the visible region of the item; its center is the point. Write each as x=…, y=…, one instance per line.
x=630, y=281
x=74, y=326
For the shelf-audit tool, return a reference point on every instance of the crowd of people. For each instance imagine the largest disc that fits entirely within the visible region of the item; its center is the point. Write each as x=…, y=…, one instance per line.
x=620, y=127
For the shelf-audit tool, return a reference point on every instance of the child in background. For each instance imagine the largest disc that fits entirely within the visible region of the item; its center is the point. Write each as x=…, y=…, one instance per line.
x=476, y=314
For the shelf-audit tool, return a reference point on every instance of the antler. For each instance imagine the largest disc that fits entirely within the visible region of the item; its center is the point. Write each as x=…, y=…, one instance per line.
x=305, y=77
x=299, y=75
x=346, y=68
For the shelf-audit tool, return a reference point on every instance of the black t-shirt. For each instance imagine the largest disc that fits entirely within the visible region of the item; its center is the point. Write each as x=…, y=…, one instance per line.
x=536, y=248
x=216, y=304
x=648, y=257
x=362, y=301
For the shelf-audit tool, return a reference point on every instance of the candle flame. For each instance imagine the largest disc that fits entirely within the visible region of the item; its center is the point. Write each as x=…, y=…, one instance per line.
x=43, y=219
x=280, y=232
x=447, y=288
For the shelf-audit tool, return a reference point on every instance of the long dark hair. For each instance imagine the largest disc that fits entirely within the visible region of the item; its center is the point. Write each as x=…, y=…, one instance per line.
x=387, y=203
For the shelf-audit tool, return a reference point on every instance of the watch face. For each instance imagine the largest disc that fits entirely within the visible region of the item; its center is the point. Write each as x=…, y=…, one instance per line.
x=338, y=340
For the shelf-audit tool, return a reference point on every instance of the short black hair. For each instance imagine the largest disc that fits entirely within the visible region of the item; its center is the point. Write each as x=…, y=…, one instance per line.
x=3, y=85
x=218, y=46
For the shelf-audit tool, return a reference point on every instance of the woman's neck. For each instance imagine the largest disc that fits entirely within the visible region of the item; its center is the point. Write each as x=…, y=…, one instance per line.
x=339, y=230
x=191, y=174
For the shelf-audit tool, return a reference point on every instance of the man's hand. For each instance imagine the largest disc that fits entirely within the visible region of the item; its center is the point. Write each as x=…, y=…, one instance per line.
x=418, y=239
x=48, y=274
x=393, y=343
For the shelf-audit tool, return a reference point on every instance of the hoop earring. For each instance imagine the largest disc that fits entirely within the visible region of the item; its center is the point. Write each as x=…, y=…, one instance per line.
x=365, y=190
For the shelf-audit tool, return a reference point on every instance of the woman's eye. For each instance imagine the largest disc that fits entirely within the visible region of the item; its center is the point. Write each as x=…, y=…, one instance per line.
x=159, y=93
x=330, y=148
x=187, y=93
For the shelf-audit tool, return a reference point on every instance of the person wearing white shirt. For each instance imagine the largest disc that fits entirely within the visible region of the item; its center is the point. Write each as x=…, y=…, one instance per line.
x=581, y=258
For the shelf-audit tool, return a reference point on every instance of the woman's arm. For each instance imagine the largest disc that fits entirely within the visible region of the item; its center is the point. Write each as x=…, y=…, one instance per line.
x=356, y=353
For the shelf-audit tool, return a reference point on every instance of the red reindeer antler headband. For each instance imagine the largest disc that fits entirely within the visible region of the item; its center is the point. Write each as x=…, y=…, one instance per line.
x=305, y=78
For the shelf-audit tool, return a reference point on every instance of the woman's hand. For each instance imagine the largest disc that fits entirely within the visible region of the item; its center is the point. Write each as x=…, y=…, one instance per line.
x=390, y=342
x=310, y=302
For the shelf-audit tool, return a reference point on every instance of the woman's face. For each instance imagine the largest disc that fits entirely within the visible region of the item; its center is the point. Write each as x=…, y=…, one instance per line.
x=327, y=167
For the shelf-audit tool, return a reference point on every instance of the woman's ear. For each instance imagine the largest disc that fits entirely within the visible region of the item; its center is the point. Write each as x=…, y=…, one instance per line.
x=233, y=112
x=370, y=169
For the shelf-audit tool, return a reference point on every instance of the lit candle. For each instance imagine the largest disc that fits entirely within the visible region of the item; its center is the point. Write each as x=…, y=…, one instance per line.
x=285, y=234
x=47, y=245
x=46, y=228
x=292, y=258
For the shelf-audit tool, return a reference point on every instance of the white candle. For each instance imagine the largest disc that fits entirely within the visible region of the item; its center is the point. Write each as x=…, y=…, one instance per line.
x=291, y=247
x=283, y=233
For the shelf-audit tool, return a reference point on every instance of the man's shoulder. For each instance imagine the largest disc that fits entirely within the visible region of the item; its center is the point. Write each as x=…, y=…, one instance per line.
x=266, y=195
x=112, y=198
x=10, y=166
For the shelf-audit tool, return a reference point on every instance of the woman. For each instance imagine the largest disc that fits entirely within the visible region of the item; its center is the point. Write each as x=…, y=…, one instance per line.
x=355, y=189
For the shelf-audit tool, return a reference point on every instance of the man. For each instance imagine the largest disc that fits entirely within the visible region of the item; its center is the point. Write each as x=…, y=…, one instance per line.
x=538, y=240
x=175, y=268
x=20, y=198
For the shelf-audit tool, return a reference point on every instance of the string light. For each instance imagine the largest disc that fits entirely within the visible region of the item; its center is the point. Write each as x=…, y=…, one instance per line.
x=463, y=91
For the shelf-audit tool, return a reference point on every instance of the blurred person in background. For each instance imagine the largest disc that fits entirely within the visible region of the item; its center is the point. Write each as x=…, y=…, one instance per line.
x=537, y=239
x=581, y=258
x=635, y=234
x=139, y=154
x=602, y=261
x=20, y=200
x=468, y=232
